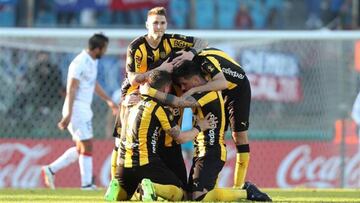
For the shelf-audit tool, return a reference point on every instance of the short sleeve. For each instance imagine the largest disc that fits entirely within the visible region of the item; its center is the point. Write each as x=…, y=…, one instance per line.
x=76, y=69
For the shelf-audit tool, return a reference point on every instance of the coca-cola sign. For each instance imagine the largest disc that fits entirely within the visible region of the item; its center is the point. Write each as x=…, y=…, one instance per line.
x=272, y=164
x=302, y=167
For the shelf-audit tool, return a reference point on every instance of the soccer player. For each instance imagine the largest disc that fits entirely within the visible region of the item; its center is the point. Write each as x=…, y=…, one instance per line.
x=227, y=75
x=148, y=121
x=151, y=52
x=77, y=113
x=210, y=150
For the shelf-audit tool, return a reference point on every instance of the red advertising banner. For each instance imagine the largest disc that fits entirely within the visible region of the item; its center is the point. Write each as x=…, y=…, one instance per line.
x=135, y=4
x=281, y=164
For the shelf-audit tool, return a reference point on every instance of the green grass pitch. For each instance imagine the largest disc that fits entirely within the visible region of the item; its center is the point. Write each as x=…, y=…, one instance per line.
x=76, y=195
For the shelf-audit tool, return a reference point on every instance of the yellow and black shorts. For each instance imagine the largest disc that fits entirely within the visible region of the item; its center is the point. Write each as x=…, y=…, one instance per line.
x=156, y=171
x=237, y=105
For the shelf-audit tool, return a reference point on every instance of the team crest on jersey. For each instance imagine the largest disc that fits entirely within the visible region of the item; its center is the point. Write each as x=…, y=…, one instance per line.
x=171, y=117
x=210, y=68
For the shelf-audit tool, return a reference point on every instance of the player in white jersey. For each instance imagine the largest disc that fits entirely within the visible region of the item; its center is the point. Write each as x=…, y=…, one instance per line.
x=77, y=113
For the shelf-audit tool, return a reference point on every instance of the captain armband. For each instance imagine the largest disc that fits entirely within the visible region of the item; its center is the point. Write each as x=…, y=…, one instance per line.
x=152, y=92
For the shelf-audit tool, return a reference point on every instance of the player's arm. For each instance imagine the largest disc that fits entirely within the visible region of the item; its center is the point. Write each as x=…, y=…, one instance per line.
x=169, y=99
x=102, y=94
x=140, y=78
x=198, y=45
x=189, y=135
x=217, y=83
x=71, y=90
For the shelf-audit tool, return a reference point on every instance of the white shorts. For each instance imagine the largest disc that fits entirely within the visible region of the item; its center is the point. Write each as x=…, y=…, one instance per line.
x=81, y=130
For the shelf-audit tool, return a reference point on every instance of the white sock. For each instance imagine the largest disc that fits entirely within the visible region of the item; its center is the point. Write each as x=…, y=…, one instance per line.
x=86, y=169
x=69, y=156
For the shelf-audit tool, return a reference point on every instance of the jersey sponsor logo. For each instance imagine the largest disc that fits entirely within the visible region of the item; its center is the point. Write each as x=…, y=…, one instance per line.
x=154, y=139
x=175, y=111
x=179, y=44
x=212, y=130
x=232, y=73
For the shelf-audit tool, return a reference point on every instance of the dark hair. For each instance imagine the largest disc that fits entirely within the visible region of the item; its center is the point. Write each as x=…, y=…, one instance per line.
x=98, y=40
x=157, y=11
x=186, y=70
x=158, y=79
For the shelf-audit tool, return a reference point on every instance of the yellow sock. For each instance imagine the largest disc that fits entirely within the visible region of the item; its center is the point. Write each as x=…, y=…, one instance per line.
x=114, y=155
x=122, y=195
x=241, y=166
x=225, y=195
x=169, y=192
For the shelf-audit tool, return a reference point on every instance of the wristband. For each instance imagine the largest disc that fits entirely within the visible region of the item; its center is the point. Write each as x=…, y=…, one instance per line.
x=198, y=128
x=193, y=51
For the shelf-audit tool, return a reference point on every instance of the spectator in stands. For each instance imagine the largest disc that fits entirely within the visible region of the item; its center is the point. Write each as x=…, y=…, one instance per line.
x=41, y=88
x=179, y=11
x=314, y=15
x=205, y=14
x=259, y=13
x=275, y=17
x=7, y=14
x=243, y=18
x=44, y=15
x=226, y=13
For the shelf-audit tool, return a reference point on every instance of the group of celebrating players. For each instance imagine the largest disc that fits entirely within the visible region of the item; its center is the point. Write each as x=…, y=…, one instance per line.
x=164, y=74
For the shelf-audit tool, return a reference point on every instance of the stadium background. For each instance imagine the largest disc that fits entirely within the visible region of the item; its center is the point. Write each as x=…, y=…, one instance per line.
x=303, y=83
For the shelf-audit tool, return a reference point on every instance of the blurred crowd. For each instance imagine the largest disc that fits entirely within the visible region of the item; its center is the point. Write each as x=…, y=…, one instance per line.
x=184, y=14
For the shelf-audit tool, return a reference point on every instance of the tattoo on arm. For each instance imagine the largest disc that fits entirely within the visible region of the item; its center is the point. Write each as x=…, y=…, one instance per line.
x=140, y=78
x=174, y=132
x=169, y=99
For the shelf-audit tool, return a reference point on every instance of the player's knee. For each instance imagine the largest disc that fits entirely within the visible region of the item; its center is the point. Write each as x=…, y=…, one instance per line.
x=240, y=137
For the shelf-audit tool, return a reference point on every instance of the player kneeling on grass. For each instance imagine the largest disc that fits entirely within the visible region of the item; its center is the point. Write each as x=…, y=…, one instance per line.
x=138, y=159
x=209, y=145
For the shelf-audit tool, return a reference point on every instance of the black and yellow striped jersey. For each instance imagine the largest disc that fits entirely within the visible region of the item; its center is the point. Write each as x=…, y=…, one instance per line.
x=141, y=57
x=212, y=139
x=214, y=61
x=147, y=123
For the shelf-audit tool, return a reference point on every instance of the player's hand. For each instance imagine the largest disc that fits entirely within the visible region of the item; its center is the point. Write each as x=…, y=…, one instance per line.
x=209, y=122
x=114, y=107
x=63, y=124
x=131, y=99
x=184, y=56
x=166, y=66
